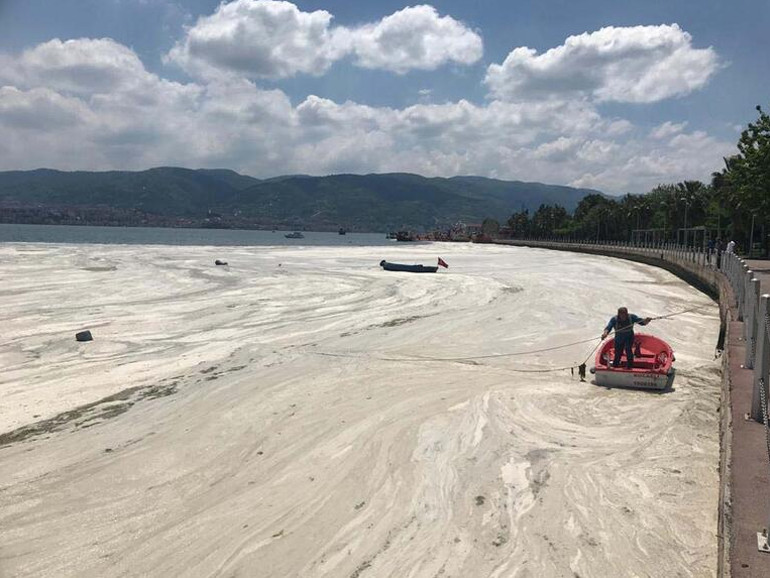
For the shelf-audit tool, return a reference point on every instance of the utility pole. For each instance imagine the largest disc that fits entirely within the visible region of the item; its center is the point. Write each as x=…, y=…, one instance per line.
x=719, y=219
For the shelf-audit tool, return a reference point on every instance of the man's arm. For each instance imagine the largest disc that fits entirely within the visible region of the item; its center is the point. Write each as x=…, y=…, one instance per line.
x=640, y=321
x=610, y=327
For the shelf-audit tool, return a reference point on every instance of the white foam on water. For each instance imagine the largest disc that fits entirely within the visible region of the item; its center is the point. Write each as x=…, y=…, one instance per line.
x=307, y=418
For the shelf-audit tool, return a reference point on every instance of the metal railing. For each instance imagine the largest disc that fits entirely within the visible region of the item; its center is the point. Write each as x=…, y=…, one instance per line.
x=754, y=311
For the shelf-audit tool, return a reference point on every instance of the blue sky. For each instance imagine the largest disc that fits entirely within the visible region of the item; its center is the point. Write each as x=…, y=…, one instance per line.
x=602, y=94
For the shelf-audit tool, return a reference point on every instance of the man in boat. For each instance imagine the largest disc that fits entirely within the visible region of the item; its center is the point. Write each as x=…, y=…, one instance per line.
x=623, y=324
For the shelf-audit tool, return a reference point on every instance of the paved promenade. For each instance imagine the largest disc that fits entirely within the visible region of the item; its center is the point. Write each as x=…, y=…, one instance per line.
x=749, y=468
x=761, y=267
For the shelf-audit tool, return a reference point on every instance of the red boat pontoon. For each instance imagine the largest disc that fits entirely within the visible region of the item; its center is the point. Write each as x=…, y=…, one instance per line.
x=651, y=369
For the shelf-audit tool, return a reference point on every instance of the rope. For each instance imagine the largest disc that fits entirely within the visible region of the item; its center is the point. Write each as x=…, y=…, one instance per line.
x=495, y=355
x=690, y=310
x=472, y=359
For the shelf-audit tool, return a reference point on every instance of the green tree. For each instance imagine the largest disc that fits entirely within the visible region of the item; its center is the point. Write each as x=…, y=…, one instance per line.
x=724, y=197
x=742, y=188
x=519, y=223
x=751, y=170
x=490, y=227
x=750, y=179
x=596, y=217
x=550, y=220
x=663, y=206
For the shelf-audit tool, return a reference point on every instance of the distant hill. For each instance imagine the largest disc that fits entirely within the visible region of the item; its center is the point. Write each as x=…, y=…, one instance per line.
x=375, y=202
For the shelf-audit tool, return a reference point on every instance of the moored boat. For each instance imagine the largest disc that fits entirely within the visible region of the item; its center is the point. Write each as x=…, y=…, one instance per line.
x=294, y=235
x=651, y=369
x=408, y=268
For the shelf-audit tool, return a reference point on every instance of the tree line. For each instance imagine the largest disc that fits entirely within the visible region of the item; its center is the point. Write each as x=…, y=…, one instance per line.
x=735, y=205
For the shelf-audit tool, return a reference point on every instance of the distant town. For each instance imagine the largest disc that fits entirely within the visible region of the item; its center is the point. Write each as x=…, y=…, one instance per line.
x=115, y=217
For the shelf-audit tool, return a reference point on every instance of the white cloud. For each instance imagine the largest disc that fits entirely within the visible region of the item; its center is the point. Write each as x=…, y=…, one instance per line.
x=39, y=109
x=598, y=151
x=91, y=104
x=80, y=66
x=260, y=39
x=414, y=38
x=639, y=165
x=557, y=151
x=667, y=129
x=275, y=39
x=634, y=64
x=618, y=127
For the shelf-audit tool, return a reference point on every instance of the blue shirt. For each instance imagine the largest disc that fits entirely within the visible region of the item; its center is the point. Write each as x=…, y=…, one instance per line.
x=634, y=320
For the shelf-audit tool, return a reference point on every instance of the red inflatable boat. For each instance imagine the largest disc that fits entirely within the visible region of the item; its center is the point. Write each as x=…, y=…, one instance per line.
x=652, y=367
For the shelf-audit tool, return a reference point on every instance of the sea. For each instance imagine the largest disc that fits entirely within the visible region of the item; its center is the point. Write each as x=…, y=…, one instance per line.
x=72, y=234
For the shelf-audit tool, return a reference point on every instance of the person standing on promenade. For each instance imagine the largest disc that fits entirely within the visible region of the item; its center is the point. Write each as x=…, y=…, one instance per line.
x=720, y=247
x=709, y=250
x=623, y=324
x=730, y=247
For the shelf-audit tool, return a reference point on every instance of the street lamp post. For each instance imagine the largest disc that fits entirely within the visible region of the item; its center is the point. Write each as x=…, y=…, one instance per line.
x=636, y=210
x=719, y=219
x=598, y=224
x=686, y=235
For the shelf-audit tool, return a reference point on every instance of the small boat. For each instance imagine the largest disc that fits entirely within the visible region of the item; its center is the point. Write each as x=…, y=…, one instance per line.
x=391, y=236
x=342, y=231
x=408, y=268
x=294, y=235
x=405, y=236
x=651, y=369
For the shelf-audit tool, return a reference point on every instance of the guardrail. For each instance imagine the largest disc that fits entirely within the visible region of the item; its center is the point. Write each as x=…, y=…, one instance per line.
x=754, y=311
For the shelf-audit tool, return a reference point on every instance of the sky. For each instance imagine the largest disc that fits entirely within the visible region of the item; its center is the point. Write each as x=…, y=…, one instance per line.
x=615, y=96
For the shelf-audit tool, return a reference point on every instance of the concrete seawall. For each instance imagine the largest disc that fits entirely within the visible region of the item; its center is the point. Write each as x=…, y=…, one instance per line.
x=744, y=493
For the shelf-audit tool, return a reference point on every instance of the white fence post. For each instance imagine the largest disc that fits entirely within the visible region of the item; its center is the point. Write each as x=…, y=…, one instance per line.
x=747, y=276
x=740, y=280
x=753, y=321
x=762, y=361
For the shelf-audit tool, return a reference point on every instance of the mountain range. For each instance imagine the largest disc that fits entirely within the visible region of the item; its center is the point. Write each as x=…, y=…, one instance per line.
x=221, y=197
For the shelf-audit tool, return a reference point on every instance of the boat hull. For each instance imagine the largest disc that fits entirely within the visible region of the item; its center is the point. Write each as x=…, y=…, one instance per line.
x=652, y=365
x=633, y=379
x=407, y=268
